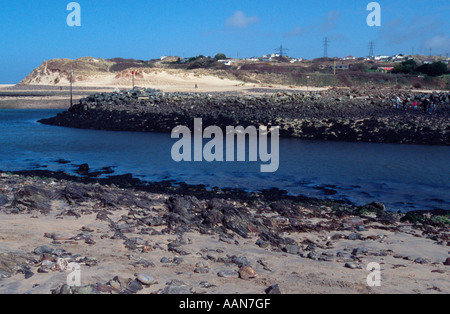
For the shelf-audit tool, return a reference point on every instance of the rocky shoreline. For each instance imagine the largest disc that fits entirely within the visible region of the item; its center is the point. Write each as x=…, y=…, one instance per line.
x=134, y=237
x=345, y=115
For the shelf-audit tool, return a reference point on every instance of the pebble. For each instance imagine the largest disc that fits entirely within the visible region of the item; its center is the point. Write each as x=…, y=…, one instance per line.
x=207, y=285
x=89, y=241
x=43, y=250
x=177, y=287
x=246, y=273
x=354, y=236
x=291, y=249
x=166, y=260
x=133, y=287
x=145, y=279
x=228, y=274
x=353, y=266
x=274, y=289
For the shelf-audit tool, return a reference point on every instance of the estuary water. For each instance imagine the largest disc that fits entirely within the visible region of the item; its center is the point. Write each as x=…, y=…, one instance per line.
x=403, y=177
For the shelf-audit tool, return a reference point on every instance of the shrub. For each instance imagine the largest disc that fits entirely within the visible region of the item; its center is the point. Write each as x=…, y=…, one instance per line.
x=220, y=56
x=434, y=69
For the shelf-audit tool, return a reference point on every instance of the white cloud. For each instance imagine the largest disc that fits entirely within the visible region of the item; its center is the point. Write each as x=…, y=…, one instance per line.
x=296, y=32
x=331, y=20
x=439, y=43
x=240, y=20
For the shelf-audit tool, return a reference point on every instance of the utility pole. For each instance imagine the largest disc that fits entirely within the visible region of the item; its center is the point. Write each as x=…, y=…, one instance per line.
x=71, y=94
x=430, y=52
x=325, y=45
x=132, y=72
x=281, y=50
x=371, y=46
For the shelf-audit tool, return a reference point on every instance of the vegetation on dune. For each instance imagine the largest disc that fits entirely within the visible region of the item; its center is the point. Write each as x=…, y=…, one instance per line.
x=318, y=72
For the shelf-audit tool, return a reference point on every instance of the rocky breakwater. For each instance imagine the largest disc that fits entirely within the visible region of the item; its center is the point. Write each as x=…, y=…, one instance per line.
x=336, y=114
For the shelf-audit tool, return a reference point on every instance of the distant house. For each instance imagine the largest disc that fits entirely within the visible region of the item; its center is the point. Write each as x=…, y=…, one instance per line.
x=385, y=69
x=382, y=58
x=428, y=62
x=349, y=58
x=398, y=57
x=227, y=62
x=340, y=67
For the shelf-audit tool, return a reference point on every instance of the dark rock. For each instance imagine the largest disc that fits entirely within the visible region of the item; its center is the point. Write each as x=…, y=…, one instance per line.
x=43, y=250
x=353, y=265
x=262, y=244
x=354, y=236
x=83, y=169
x=133, y=287
x=240, y=261
x=376, y=206
x=177, y=287
x=228, y=274
x=313, y=255
x=275, y=289
x=34, y=198
x=3, y=199
x=291, y=249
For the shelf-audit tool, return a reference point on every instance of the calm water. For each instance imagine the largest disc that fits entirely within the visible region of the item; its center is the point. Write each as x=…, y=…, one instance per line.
x=404, y=177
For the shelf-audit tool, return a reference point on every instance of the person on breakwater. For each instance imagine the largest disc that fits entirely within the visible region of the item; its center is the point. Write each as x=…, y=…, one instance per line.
x=397, y=102
x=415, y=105
x=405, y=102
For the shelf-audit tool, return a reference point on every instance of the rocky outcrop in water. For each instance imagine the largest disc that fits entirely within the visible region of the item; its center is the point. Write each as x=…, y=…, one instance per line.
x=348, y=115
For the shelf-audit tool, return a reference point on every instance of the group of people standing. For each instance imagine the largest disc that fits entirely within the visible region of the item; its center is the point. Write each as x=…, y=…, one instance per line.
x=428, y=105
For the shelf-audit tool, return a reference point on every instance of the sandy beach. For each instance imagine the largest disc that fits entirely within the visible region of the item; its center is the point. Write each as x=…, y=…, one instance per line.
x=57, y=96
x=131, y=241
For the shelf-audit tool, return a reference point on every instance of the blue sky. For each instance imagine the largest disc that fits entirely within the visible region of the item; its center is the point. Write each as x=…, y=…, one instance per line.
x=32, y=31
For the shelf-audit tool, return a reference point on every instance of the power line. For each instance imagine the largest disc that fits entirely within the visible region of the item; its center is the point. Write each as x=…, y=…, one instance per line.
x=325, y=47
x=281, y=50
x=371, y=46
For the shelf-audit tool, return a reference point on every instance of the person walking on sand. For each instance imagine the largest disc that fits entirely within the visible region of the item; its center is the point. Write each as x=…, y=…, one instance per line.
x=415, y=105
x=405, y=102
x=398, y=102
